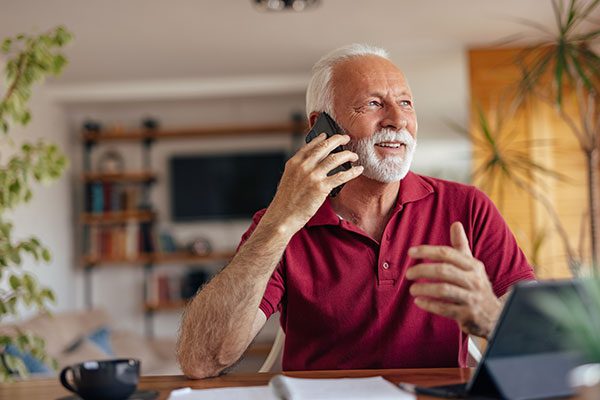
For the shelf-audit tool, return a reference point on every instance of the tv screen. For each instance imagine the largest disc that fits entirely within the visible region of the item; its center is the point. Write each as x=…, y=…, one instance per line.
x=223, y=186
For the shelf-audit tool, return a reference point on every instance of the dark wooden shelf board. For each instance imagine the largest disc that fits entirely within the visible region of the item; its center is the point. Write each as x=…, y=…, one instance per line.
x=117, y=217
x=158, y=258
x=134, y=176
x=140, y=135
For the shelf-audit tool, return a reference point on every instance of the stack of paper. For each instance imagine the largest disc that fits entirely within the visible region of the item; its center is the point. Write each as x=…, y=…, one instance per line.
x=286, y=388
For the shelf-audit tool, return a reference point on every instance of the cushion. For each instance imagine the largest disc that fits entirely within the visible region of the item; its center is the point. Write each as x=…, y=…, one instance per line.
x=85, y=351
x=61, y=330
x=94, y=346
x=133, y=345
x=99, y=338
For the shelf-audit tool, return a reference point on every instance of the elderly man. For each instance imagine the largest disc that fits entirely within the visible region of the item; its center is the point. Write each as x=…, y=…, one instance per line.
x=394, y=272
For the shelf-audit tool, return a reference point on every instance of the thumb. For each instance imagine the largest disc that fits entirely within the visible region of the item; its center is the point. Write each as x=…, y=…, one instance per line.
x=458, y=238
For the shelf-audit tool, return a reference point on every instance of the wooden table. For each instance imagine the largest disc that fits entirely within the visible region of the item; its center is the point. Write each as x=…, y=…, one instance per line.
x=52, y=389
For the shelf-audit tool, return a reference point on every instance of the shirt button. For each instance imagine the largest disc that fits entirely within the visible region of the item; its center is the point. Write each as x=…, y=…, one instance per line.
x=385, y=265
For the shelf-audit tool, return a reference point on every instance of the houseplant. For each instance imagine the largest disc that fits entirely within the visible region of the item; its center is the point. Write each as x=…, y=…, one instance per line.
x=558, y=77
x=565, y=63
x=27, y=59
x=562, y=71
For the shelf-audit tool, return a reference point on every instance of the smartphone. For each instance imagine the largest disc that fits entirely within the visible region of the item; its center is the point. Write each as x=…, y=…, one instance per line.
x=325, y=123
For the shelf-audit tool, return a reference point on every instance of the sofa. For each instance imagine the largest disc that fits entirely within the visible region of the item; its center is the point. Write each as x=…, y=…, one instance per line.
x=73, y=337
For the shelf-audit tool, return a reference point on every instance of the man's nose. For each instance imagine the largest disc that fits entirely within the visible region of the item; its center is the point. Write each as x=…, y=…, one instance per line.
x=393, y=118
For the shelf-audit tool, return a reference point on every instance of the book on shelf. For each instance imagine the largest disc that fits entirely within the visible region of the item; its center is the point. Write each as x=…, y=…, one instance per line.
x=164, y=289
x=124, y=241
x=103, y=197
x=170, y=288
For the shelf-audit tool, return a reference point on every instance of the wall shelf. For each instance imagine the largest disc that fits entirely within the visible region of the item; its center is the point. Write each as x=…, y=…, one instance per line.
x=123, y=177
x=128, y=238
x=112, y=217
x=184, y=133
x=157, y=258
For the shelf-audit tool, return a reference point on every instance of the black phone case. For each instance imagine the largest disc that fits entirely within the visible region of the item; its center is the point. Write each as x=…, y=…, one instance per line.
x=325, y=123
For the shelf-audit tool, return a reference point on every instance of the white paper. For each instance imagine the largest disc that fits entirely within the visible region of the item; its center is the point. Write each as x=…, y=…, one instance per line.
x=286, y=388
x=337, y=389
x=249, y=393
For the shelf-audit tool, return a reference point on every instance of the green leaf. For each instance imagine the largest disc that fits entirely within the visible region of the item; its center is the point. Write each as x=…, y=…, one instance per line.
x=29, y=283
x=11, y=305
x=48, y=294
x=15, y=364
x=26, y=117
x=58, y=63
x=15, y=257
x=6, y=45
x=15, y=282
x=46, y=255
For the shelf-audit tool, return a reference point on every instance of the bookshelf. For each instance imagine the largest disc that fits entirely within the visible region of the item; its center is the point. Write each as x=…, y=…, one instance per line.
x=118, y=218
x=136, y=176
x=157, y=258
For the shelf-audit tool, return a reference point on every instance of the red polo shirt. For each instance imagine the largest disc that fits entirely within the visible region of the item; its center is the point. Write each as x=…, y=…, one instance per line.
x=343, y=298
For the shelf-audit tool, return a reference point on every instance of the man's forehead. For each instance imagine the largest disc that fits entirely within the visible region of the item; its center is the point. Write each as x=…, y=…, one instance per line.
x=369, y=73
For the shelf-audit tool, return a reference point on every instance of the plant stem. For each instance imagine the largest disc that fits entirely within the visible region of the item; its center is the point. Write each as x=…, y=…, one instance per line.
x=592, y=161
x=573, y=261
x=9, y=92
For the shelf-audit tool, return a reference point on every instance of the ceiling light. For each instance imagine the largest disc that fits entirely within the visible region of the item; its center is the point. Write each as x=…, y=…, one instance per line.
x=285, y=5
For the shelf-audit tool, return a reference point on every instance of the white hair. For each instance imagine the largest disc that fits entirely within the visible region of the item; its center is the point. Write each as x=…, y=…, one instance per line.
x=319, y=94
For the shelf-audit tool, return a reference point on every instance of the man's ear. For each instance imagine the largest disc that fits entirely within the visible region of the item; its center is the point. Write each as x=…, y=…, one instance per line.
x=312, y=118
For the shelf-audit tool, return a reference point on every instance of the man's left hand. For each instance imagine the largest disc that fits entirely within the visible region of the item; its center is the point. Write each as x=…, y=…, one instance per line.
x=457, y=284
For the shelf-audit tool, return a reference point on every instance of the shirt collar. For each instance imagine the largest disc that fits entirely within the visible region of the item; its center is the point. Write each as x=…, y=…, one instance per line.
x=412, y=188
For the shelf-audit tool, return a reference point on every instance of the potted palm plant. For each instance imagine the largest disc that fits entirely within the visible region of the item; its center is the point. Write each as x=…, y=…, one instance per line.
x=563, y=63
x=563, y=71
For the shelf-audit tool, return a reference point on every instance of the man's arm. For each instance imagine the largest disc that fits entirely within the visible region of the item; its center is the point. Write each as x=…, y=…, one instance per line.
x=224, y=316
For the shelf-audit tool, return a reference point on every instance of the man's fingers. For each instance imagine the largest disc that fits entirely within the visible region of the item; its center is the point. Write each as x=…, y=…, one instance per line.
x=443, y=291
x=443, y=253
x=344, y=176
x=459, y=240
x=312, y=144
x=313, y=153
x=334, y=160
x=440, y=271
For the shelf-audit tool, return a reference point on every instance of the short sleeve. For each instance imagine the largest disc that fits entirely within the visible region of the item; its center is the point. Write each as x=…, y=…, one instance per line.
x=271, y=301
x=493, y=243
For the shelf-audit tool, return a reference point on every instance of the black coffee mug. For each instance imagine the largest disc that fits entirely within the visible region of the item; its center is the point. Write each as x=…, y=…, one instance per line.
x=100, y=380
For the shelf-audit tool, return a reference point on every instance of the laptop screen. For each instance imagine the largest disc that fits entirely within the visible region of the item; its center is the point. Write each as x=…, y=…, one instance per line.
x=524, y=328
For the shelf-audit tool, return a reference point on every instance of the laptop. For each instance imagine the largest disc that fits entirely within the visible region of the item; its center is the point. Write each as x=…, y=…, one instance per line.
x=528, y=355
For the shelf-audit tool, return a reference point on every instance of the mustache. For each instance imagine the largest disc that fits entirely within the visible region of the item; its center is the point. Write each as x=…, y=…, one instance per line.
x=387, y=135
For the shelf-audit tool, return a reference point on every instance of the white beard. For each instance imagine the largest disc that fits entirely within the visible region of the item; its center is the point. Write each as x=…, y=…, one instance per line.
x=384, y=169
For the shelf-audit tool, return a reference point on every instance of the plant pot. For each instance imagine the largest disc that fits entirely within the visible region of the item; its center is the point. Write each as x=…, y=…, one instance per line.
x=585, y=379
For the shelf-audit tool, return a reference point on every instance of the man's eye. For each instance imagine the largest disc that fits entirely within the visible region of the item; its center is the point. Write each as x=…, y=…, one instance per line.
x=374, y=103
x=406, y=103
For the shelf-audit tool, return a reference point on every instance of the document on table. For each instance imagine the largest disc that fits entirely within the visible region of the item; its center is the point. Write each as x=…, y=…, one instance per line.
x=286, y=388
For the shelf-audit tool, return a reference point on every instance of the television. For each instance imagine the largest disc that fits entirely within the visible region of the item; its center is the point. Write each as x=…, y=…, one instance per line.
x=223, y=186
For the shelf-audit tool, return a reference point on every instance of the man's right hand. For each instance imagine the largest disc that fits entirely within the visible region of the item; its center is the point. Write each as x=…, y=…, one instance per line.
x=305, y=184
